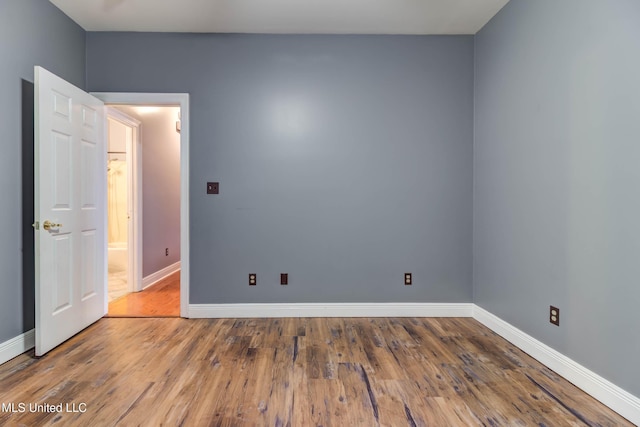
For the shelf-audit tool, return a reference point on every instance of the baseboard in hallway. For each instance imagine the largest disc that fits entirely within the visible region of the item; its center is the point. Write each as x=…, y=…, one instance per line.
x=160, y=300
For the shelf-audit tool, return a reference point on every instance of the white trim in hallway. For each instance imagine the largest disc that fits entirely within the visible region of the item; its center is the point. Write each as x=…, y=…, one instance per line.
x=154, y=278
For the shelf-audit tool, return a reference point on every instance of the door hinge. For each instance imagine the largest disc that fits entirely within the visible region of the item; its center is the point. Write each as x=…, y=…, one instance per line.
x=36, y=225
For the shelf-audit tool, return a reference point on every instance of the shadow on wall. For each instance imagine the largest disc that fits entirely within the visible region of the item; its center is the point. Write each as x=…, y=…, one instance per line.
x=28, y=236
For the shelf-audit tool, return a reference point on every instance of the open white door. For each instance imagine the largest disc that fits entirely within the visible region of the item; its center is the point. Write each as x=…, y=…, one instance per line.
x=70, y=183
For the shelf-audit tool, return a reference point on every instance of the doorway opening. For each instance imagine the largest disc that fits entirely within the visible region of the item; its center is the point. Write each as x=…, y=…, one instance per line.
x=144, y=204
x=180, y=100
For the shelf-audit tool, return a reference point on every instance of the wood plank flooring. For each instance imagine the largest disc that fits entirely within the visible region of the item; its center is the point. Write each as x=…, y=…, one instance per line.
x=293, y=372
x=160, y=300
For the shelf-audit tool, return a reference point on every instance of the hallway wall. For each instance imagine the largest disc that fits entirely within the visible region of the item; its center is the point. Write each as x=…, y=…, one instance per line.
x=160, y=185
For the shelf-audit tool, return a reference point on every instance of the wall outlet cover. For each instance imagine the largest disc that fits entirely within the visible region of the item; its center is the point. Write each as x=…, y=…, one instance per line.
x=213, y=187
x=554, y=315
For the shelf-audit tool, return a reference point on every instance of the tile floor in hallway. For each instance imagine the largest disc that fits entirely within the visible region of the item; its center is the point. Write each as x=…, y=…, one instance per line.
x=118, y=286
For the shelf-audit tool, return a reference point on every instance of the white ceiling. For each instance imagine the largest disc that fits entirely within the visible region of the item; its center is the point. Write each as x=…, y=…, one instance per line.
x=284, y=16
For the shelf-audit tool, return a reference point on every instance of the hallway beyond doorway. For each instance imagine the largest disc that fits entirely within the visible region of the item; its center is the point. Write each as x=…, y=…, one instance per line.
x=161, y=300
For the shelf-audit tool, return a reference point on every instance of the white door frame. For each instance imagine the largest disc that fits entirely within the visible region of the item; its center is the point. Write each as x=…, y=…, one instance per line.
x=134, y=199
x=166, y=99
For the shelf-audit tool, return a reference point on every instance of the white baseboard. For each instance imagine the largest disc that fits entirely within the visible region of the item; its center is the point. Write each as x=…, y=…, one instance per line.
x=154, y=278
x=603, y=390
x=16, y=346
x=215, y=311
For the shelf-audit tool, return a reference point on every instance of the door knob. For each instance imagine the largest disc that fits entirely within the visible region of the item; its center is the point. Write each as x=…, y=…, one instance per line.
x=48, y=225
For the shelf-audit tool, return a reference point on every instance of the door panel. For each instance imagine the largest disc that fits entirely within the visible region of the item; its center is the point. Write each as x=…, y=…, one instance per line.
x=89, y=283
x=70, y=185
x=61, y=171
x=61, y=282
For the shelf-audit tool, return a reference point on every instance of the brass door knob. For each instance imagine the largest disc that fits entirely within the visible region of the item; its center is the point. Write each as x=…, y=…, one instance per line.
x=48, y=225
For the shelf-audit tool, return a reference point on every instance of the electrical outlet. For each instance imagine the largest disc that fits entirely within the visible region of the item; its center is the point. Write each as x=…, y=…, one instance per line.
x=284, y=279
x=253, y=279
x=407, y=279
x=554, y=315
x=166, y=252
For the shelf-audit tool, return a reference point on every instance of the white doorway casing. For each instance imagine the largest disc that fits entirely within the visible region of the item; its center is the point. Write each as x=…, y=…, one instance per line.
x=169, y=99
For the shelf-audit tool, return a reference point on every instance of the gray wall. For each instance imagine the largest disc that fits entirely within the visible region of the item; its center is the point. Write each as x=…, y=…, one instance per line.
x=344, y=161
x=160, y=187
x=32, y=32
x=557, y=173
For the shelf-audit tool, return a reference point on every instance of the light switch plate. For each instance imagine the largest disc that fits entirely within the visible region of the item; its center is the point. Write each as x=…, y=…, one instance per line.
x=213, y=187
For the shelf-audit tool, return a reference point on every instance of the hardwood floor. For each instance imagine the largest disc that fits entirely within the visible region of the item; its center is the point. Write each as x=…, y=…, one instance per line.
x=160, y=300
x=294, y=372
